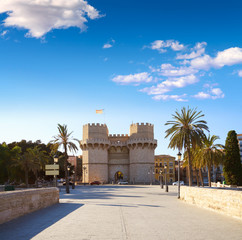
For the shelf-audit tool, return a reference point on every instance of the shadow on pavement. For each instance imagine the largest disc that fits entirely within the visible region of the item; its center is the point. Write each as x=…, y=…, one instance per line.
x=28, y=226
x=95, y=192
x=133, y=205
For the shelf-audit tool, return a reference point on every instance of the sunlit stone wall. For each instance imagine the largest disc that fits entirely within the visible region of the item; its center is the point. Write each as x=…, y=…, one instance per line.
x=228, y=202
x=20, y=202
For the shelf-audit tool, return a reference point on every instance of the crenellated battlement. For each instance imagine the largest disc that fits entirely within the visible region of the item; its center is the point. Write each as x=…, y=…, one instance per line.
x=142, y=124
x=141, y=130
x=117, y=135
x=96, y=125
x=95, y=131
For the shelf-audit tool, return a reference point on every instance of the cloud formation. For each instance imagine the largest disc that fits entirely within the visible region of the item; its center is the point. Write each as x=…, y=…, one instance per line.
x=211, y=93
x=228, y=57
x=135, y=79
x=109, y=44
x=169, y=70
x=41, y=16
x=178, y=74
x=178, y=98
x=170, y=84
x=161, y=45
x=197, y=51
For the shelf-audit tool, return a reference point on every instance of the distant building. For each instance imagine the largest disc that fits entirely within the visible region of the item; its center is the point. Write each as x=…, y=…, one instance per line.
x=160, y=162
x=76, y=161
x=239, y=137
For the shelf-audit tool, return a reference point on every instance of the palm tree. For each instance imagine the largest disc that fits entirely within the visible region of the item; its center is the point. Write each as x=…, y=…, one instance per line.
x=64, y=139
x=40, y=158
x=186, y=132
x=210, y=154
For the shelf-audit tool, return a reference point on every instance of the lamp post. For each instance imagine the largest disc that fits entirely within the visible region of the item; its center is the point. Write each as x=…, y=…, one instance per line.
x=68, y=170
x=84, y=171
x=165, y=167
x=161, y=179
x=179, y=159
x=55, y=162
x=74, y=179
x=150, y=173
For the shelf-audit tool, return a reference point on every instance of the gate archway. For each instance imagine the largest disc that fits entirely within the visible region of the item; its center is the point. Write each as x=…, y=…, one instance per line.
x=118, y=176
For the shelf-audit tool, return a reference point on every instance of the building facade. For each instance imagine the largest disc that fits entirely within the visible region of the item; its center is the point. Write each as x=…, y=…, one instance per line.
x=239, y=137
x=110, y=158
x=160, y=162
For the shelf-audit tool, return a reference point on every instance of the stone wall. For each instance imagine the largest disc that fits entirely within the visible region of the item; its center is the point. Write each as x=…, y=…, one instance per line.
x=17, y=203
x=228, y=202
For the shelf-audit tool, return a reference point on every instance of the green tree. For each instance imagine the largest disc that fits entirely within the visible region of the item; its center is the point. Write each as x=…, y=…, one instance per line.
x=64, y=140
x=5, y=156
x=232, y=164
x=186, y=132
x=26, y=163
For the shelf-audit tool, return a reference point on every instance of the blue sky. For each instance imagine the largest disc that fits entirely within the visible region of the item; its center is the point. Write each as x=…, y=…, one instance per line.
x=138, y=60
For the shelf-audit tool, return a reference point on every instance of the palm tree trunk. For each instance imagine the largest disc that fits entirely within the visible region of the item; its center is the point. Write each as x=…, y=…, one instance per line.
x=201, y=176
x=66, y=171
x=196, y=172
x=189, y=166
x=209, y=176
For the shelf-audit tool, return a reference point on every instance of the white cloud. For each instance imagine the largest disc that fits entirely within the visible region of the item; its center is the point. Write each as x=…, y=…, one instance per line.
x=197, y=51
x=213, y=93
x=41, y=16
x=240, y=73
x=4, y=33
x=168, y=70
x=178, y=98
x=228, y=57
x=136, y=79
x=169, y=84
x=109, y=44
x=160, y=45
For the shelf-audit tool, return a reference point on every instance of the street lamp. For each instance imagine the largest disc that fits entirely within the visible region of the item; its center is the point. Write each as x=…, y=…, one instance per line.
x=84, y=171
x=150, y=173
x=165, y=167
x=55, y=162
x=161, y=179
x=179, y=159
x=68, y=169
x=74, y=179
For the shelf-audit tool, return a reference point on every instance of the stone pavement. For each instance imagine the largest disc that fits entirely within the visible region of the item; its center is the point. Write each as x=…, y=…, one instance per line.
x=121, y=212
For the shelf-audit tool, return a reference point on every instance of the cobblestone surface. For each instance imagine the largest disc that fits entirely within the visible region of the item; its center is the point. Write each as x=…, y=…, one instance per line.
x=122, y=212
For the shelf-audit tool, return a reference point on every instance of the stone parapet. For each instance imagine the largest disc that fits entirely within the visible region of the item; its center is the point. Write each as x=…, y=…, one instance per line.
x=142, y=142
x=225, y=201
x=20, y=202
x=94, y=143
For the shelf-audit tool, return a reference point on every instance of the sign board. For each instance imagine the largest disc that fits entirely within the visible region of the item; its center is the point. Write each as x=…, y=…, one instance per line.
x=52, y=172
x=52, y=167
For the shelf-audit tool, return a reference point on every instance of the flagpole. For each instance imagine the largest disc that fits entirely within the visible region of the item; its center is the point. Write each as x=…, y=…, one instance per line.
x=104, y=116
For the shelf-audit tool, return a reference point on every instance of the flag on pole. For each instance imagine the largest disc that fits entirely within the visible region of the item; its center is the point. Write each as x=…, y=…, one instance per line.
x=99, y=111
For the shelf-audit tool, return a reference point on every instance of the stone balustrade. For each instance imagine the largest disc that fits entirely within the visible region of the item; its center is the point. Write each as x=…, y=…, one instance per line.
x=225, y=201
x=20, y=202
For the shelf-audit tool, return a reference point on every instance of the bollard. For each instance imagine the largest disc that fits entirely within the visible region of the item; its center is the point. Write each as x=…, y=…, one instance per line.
x=166, y=188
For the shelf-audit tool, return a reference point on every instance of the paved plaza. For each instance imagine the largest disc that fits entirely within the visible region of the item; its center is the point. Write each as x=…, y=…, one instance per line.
x=122, y=212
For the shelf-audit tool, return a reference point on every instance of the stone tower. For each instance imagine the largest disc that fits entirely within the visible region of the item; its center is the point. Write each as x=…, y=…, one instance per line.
x=141, y=146
x=94, y=147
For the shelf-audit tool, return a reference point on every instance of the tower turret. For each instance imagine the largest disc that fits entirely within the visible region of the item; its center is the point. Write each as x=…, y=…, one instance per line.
x=94, y=147
x=141, y=152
